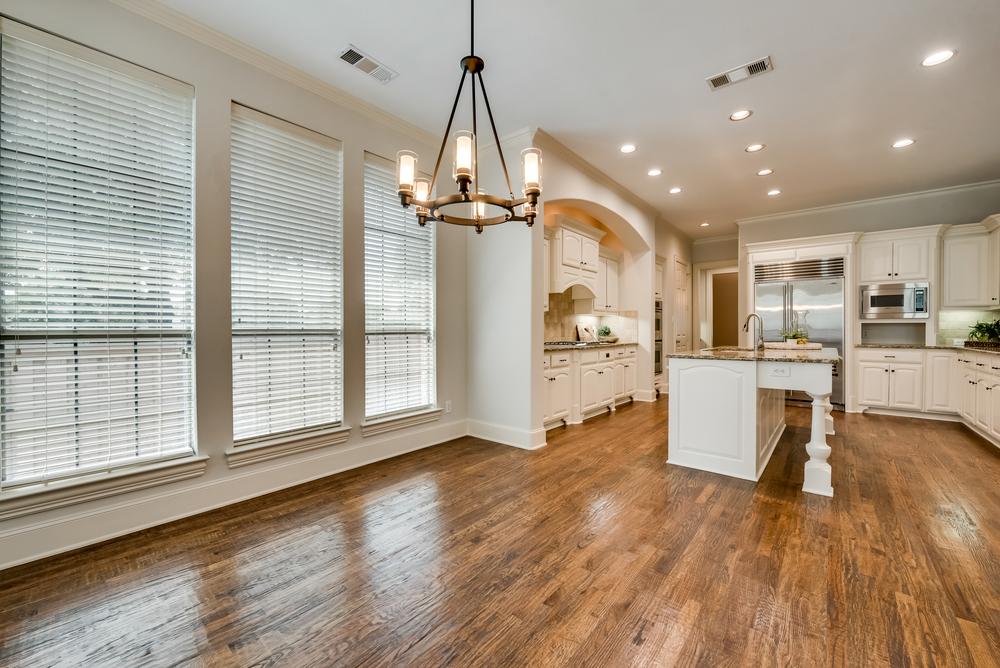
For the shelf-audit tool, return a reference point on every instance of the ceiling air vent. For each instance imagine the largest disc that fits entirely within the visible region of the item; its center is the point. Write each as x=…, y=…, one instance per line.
x=740, y=73
x=362, y=61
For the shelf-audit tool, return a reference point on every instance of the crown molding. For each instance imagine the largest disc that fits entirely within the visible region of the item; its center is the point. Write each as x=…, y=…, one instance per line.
x=545, y=141
x=189, y=27
x=712, y=240
x=870, y=202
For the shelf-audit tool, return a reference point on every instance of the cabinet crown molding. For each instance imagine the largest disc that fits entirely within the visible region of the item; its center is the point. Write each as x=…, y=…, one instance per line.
x=929, y=231
x=991, y=222
x=849, y=238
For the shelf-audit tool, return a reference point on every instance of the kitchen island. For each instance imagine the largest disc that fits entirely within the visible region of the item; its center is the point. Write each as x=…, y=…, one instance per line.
x=727, y=409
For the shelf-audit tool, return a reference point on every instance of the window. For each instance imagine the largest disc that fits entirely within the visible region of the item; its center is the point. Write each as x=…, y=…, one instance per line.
x=96, y=250
x=399, y=299
x=286, y=277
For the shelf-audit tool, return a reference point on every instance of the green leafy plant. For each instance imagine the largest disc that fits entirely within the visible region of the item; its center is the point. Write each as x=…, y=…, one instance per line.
x=985, y=331
x=604, y=330
x=796, y=333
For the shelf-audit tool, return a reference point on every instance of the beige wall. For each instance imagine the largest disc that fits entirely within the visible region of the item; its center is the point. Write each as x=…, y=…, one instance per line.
x=219, y=79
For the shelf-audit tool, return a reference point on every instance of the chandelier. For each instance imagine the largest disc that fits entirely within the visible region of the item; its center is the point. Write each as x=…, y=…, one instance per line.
x=413, y=189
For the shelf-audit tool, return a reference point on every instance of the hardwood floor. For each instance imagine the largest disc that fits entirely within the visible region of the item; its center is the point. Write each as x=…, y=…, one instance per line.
x=588, y=552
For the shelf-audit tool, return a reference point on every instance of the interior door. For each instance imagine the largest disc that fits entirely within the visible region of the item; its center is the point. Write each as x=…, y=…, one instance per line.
x=682, y=305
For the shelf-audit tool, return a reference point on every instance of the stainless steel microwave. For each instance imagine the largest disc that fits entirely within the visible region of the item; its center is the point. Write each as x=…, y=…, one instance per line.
x=895, y=300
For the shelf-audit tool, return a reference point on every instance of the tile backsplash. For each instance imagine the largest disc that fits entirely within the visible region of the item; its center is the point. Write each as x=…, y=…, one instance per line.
x=956, y=324
x=561, y=321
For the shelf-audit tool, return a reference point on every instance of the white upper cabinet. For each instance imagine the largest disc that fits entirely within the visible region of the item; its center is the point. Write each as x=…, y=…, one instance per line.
x=909, y=258
x=966, y=271
x=658, y=283
x=896, y=261
x=606, y=300
x=575, y=256
x=876, y=262
x=547, y=270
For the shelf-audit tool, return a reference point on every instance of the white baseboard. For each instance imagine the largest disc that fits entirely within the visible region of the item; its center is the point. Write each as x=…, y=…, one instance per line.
x=895, y=412
x=499, y=433
x=645, y=395
x=45, y=538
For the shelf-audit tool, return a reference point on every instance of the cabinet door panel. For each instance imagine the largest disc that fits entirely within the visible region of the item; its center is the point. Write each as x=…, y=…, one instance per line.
x=619, y=377
x=910, y=260
x=589, y=389
x=606, y=386
x=995, y=409
x=601, y=301
x=969, y=396
x=941, y=383
x=874, y=384
x=559, y=395
x=983, y=404
x=590, y=254
x=658, y=287
x=966, y=271
x=612, y=285
x=546, y=273
x=876, y=262
x=630, y=379
x=572, y=248
x=906, y=386
x=548, y=399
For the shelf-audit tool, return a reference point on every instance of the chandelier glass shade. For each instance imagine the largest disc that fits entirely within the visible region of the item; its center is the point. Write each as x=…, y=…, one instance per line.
x=415, y=190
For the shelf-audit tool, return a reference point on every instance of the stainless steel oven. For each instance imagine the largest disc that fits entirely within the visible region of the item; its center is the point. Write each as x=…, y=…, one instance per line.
x=895, y=300
x=658, y=357
x=658, y=336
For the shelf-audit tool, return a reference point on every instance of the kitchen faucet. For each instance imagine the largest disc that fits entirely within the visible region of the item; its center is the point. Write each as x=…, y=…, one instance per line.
x=759, y=349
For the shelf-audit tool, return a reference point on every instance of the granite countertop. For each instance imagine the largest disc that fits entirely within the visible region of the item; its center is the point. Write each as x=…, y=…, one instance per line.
x=914, y=346
x=586, y=345
x=824, y=356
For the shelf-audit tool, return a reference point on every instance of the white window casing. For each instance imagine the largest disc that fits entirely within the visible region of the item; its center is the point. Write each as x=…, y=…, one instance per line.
x=96, y=246
x=399, y=302
x=286, y=232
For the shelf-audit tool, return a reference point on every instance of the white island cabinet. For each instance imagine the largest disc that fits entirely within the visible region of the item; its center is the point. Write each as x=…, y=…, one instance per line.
x=727, y=410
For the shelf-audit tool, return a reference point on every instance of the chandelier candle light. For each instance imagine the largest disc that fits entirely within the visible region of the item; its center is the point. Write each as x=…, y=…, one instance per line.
x=417, y=191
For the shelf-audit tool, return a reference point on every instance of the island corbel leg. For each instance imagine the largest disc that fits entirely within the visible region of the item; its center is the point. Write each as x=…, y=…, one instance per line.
x=819, y=475
x=829, y=417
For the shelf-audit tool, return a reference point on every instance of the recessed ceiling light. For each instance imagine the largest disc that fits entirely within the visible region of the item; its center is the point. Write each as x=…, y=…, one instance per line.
x=902, y=142
x=674, y=191
x=937, y=58
x=704, y=224
x=740, y=115
x=774, y=192
x=764, y=172
x=654, y=172
x=754, y=148
x=628, y=148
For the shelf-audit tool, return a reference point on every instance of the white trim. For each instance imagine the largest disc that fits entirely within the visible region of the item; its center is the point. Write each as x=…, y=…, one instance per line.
x=43, y=539
x=394, y=422
x=701, y=322
x=272, y=448
x=712, y=240
x=868, y=202
x=70, y=491
x=545, y=141
x=241, y=51
x=498, y=433
x=647, y=396
x=895, y=412
x=92, y=56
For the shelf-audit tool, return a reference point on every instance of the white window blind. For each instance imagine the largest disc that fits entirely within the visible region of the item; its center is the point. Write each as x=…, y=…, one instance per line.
x=286, y=277
x=96, y=250
x=399, y=299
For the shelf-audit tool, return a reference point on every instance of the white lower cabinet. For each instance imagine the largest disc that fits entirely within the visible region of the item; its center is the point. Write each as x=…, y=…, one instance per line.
x=906, y=386
x=994, y=408
x=590, y=388
x=984, y=406
x=969, y=395
x=942, y=382
x=558, y=394
x=874, y=384
x=585, y=382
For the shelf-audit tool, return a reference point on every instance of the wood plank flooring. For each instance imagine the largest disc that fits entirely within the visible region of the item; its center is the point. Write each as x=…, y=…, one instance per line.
x=588, y=552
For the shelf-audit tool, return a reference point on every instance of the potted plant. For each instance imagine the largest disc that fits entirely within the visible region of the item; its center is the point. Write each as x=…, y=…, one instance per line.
x=604, y=334
x=984, y=335
x=799, y=335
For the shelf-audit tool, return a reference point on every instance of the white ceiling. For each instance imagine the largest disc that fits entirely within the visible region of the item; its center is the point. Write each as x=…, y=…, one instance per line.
x=847, y=83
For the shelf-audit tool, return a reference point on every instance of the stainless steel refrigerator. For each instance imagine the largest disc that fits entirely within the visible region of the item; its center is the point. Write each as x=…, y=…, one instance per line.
x=811, y=294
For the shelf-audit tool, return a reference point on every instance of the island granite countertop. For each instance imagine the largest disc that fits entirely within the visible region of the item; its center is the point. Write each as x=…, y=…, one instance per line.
x=824, y=356
x=584, y=345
